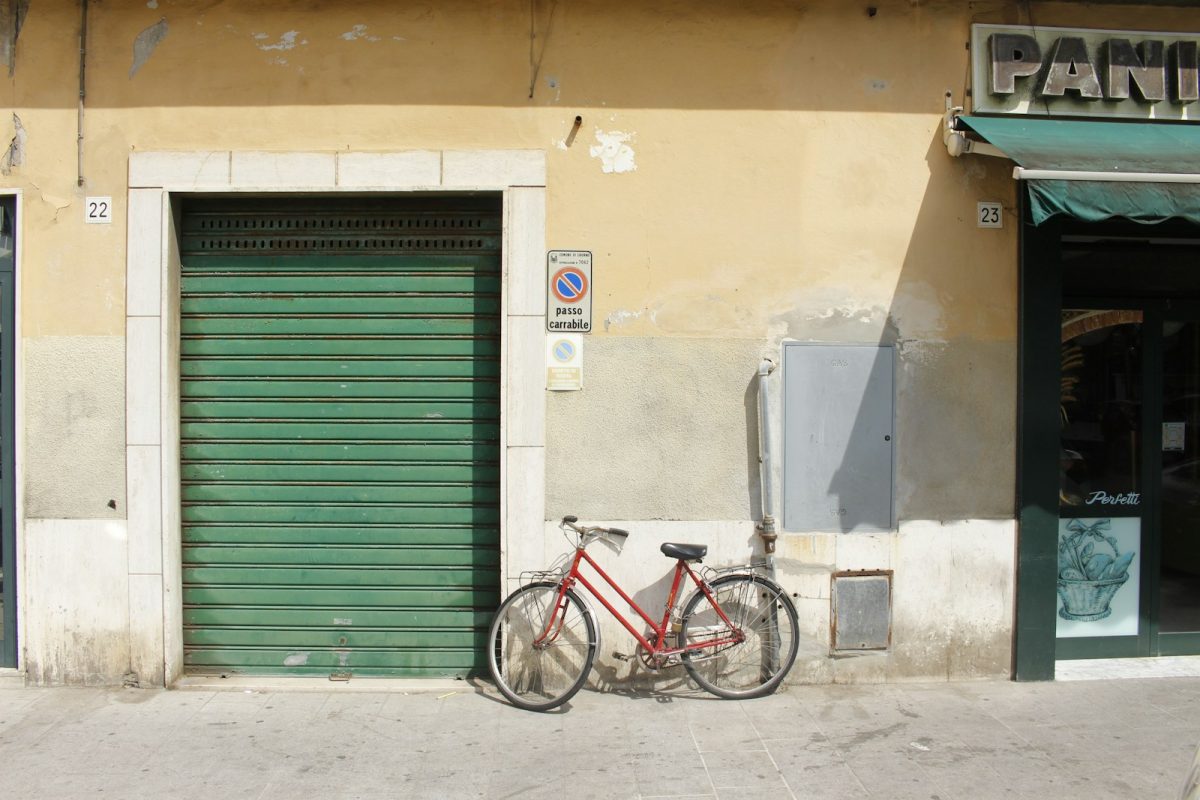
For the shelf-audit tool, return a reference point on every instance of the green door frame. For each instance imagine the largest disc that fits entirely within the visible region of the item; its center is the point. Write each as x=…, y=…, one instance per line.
x=8, y=495
x=1040, y=303
x=1038, y=313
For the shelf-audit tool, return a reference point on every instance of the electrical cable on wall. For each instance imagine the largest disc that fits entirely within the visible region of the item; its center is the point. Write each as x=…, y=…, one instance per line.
x=83, y=22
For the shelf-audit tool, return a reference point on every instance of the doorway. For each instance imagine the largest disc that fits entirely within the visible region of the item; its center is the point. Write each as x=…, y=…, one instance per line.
x=340, y=433
x=1128, y=544
x=8, y=515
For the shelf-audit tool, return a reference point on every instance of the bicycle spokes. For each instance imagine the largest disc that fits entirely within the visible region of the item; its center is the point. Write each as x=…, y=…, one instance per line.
x=541, y=646
x=749, y=654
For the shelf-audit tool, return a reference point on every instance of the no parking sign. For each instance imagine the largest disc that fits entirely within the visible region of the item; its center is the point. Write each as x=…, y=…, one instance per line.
x=569, y=291
x=564, y=362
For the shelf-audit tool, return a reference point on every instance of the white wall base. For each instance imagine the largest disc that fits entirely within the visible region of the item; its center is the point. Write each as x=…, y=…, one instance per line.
x=76, y=601
x=952, y=594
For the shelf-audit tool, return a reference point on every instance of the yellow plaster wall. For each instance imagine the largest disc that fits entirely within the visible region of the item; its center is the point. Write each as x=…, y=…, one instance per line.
x=790, y=177
x=784, y=150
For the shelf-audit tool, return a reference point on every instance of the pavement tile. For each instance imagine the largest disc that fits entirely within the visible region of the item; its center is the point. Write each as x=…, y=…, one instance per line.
x=557, y=784
x=754, y=794
x=824, y=777
x=982, y=741
x=743, y=770
x=885, y=769
x=781, y=715
x=723, y=732
x=663, y=775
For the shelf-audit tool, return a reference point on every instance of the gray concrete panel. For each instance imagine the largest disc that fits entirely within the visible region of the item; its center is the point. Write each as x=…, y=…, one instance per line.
x=664, y=428
x=956, y=430
x=74, y=459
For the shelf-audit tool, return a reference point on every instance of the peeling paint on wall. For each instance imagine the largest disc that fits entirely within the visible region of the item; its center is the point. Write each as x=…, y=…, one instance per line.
x=622, y=316
x=145, y=43
x=286, y=42
x=918, y=310
x=15, y=155
x=359, y=32
x=614, y=151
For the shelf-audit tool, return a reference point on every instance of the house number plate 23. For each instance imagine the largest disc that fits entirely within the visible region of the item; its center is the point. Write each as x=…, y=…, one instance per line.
x=989, y=215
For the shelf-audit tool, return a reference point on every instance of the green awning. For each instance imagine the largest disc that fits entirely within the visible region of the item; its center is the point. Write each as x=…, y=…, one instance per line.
x=1150, y=165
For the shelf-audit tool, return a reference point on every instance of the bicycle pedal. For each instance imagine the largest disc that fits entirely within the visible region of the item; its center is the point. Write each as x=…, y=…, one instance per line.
x=622, y=656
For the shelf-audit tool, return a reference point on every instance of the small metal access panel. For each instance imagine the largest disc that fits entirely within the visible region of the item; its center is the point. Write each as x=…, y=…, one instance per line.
x=862, y=610
x=838, y=412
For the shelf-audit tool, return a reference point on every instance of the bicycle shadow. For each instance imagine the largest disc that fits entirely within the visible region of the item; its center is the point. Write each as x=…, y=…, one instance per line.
x=487, y=691
x=633, y=678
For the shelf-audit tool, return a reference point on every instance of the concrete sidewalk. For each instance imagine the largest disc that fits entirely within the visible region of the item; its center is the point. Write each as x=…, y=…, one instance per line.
x=1094, y=739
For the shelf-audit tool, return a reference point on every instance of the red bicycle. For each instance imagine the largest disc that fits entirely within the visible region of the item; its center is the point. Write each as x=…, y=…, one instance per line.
x=735, y=635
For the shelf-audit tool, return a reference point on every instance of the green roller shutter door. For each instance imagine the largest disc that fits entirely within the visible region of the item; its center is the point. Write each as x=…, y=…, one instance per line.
x=340, y=423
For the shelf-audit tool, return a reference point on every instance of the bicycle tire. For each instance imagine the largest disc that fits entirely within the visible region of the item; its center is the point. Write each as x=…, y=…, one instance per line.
x=539, y=679
x=755, y=666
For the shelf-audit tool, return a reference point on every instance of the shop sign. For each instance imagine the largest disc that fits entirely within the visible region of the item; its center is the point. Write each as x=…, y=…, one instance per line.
x=1082, y=72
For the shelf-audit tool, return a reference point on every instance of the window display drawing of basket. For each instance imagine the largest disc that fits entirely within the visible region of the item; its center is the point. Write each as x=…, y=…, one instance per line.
x=1088, y=580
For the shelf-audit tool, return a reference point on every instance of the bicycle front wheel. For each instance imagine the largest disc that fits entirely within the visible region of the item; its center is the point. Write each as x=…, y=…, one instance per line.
x=541, y=646
x=757, y=664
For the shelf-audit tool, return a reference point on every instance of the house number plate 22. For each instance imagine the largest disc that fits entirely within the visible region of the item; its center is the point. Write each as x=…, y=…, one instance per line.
x=97, y=210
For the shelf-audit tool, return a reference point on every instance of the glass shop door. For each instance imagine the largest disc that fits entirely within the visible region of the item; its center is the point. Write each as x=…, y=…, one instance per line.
x=1176, y=617
x=1128, y=575
x=1103, y=502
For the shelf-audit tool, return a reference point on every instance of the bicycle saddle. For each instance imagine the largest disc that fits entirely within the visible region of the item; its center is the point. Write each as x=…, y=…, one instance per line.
x=688, y=552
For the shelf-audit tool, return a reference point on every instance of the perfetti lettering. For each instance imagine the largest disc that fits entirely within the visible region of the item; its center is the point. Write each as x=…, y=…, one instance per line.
x=1121, y=499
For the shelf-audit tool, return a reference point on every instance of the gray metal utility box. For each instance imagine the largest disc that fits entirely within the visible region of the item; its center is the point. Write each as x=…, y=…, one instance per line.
x=838, y=442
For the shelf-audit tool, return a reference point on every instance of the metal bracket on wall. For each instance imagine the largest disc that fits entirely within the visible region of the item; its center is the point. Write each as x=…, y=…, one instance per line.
x=956, y=140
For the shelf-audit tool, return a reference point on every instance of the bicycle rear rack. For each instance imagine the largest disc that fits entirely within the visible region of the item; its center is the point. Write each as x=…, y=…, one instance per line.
x=541, y=576
x=710, y=574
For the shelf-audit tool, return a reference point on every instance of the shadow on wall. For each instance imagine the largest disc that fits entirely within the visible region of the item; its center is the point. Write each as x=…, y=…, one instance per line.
x=951, y=329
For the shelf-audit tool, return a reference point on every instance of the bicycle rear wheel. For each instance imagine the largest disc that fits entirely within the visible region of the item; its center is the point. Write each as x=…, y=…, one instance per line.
x=756, y=665
x=540, y=650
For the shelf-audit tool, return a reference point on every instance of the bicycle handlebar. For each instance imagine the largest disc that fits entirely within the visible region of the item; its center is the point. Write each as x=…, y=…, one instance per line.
x=585, y=530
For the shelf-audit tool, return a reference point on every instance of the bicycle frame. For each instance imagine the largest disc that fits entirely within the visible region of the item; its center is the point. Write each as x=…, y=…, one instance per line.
x=659, y=646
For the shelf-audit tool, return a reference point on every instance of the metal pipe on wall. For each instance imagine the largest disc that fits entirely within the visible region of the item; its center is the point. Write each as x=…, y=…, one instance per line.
x=767, y=528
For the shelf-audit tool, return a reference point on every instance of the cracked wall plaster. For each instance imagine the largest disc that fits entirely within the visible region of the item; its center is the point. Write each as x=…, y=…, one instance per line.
x=15, y=155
